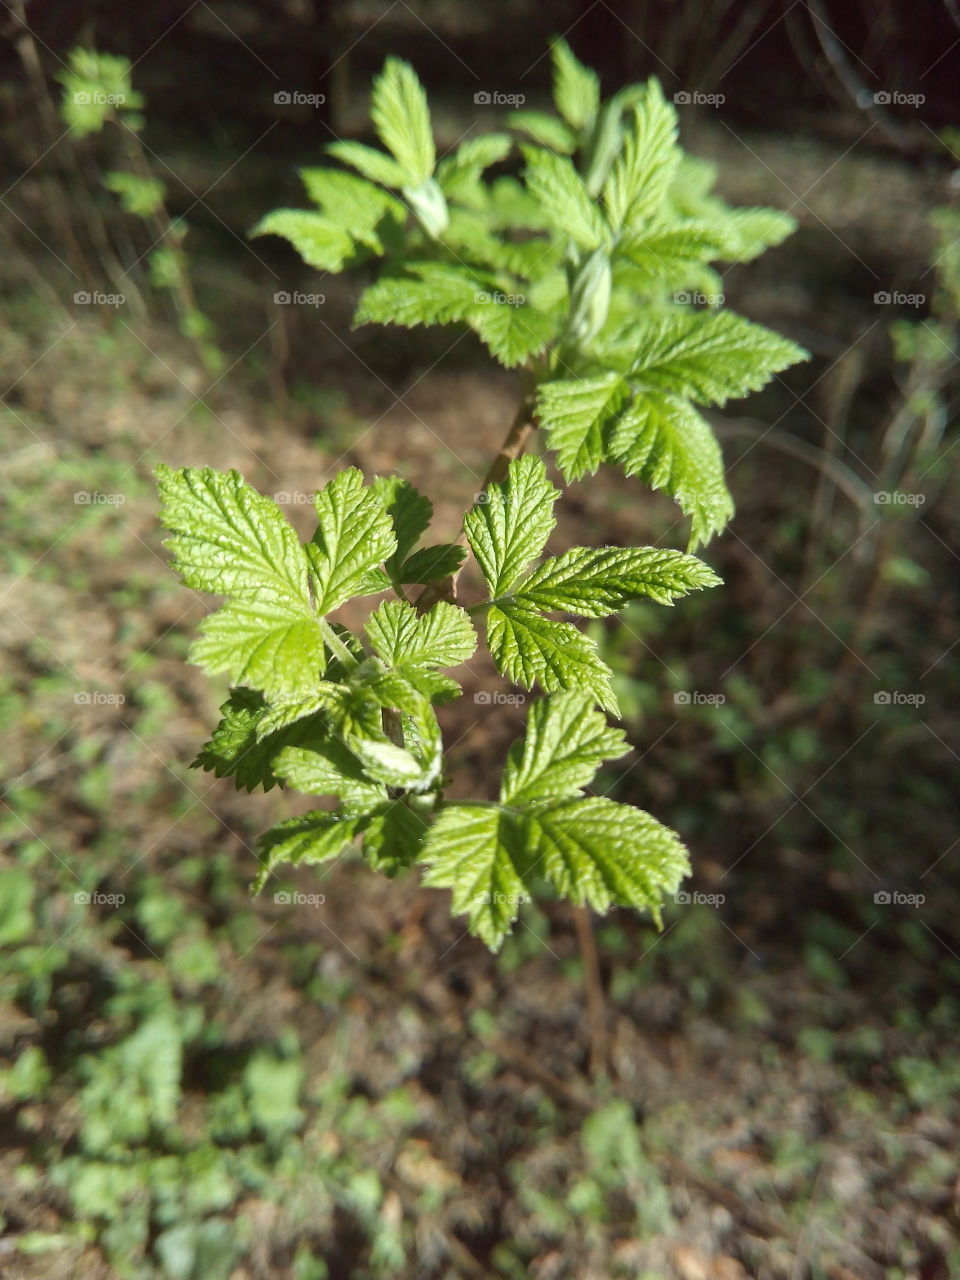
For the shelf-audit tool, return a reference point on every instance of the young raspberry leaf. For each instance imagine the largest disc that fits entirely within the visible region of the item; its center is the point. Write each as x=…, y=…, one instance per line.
x=709, y=356
x=314, y=837
x=600, y=854
x=402, y=638
x=373, y=164
x=398, y=108
x=354, y=536
x=576, y=89
x=594, y=582
x=545, y=129
x=320, y=242
x=574, y=412
x=510, y=525
x=237, y=750
x=411, y=513
x=566, y=742
x=230, y=540
x=555, y=184
x=393, y=834
x=530, y=649
x=329, y=769
x=665, y=441
x=636, y=188
x=352, y=203
x=477, y=852
x=271, y=646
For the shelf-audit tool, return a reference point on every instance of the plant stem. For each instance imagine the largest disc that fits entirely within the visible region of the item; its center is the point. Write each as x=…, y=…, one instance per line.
x=336, y=645
x=514, y=444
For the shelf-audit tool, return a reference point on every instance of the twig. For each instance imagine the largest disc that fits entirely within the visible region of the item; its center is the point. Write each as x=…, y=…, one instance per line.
x=596, y=1003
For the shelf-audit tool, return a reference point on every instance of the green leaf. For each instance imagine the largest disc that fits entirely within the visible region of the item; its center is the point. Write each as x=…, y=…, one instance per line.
x=545, y=129
x=599, y=853
x=389, y=764
x=566, y=743
x=637, y=186
x=272, y=646
x=432, y=563
x=315, y=837
x=529, y=649
x=746, y=233
x=596, y=581
x=665, y=441
x=459, y=173
x=411, y=513
x=441, y=295
x=574, y=413
x=576, y=89
x=442, y=637
x=393, y=835
x=328, y=768
x=320, y=242
x=710, y=356
x=352, y=203
x=371, y=163
x=671, y=254
x=511, y=526
x=229, y=539
x=235, y=749
x=560, y=191
x=401, y=116
x=476, y=851
x=354, y=535
x=141, y=197
x=511, y=333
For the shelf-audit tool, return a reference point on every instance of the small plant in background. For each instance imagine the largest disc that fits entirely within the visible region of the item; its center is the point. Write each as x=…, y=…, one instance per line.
x=97, y=92
x=580, y=275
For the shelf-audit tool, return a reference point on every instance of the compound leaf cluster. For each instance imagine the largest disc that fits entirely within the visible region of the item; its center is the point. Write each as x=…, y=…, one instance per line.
x=580, y=247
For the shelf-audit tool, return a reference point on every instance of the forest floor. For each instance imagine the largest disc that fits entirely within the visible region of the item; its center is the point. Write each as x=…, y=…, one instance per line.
x=196, y=1084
